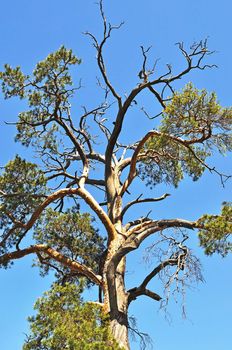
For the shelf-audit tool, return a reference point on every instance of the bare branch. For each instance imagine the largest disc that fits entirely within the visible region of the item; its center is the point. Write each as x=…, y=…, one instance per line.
x=144, y=73
x=132, y=171
x=76, y=179
x=157, y=95
x=134, y=293
x=137, y=222
x=176, y=259
x=107, y=30
x=103, y=127
x=144, y=200
x=92, y=156
x=149, y=116
x=156, y=270
x=41, y=248
x=79, y=149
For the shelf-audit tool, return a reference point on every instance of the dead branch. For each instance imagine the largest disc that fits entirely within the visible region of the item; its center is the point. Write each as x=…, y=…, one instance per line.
x=143, y=200
x=107, y=30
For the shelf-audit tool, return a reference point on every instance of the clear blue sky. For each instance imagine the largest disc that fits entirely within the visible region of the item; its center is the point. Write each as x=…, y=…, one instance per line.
x=30, y=30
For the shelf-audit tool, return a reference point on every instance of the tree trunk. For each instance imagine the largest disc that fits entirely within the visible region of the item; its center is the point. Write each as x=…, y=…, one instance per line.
x=115, y=296
x=119, y=329
x=116, y=302
x=118, y=306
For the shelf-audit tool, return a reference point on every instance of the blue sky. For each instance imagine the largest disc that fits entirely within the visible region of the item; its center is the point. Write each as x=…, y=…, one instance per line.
x=30, y=30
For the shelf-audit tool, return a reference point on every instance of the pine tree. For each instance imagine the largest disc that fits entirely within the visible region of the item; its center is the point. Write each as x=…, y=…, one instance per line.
x=191, y=128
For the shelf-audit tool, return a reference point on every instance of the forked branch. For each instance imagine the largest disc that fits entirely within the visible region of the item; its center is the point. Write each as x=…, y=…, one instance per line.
x=107, y=30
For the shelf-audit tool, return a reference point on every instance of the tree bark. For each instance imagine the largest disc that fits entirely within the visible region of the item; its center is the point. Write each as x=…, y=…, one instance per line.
x=118, y=302
x=119, y=329
x=115, y=295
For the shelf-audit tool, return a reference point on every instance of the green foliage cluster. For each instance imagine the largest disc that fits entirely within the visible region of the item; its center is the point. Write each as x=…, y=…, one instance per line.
x=73, y=235
x=13, y=81
x=64, y=321
x=172, y=161
x=49, y=88
x=193, y=125
x=23, y=187
x=214, y=238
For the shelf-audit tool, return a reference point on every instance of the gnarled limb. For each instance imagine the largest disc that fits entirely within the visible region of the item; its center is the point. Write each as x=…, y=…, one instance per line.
x=139, y=233
x=41, y=248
